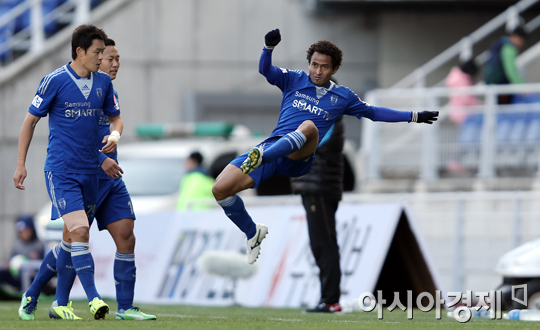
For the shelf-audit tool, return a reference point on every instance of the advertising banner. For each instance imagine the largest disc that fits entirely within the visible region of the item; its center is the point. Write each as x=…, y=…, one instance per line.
x=169, y=244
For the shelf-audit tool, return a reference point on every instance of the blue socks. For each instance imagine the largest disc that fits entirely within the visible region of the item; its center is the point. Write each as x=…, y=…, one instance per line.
x=124, y=277
x=61, y=256
x=283, y=147
x=66, y=274
x=84, y=266
x=46, y=271
x=234, y=209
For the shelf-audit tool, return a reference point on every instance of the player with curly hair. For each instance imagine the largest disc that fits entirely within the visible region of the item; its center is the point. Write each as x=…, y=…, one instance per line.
x=311, y=104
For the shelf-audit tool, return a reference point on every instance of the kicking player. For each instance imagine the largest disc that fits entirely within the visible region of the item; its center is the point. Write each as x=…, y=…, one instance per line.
x=114, y=212
x=73, y=96
x=311, y=104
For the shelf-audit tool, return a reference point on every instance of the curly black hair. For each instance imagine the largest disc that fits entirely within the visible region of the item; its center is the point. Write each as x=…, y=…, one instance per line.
x=325, y=47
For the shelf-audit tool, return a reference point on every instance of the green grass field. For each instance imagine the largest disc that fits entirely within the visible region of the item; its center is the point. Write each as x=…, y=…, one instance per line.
x=192, y=317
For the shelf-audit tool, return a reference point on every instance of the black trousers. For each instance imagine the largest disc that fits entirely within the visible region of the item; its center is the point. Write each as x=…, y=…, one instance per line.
x=7, y=278
x=320, y=212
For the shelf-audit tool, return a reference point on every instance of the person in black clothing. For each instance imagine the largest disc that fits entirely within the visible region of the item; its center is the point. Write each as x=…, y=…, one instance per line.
x=501, y=67
x=321, y=191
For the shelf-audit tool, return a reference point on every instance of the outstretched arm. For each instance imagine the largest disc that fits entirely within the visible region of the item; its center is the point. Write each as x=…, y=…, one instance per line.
x=25, y=137
x=388, y=115
x=391, y=115
x=271, y=39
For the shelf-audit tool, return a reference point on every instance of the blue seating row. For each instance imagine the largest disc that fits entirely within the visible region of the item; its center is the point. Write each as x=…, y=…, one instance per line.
x=519, y=127
x=24, y=20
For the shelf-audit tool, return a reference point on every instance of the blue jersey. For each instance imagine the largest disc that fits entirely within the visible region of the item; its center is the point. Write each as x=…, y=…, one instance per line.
x=104, y=130
x=74, y=105
x=302, y=100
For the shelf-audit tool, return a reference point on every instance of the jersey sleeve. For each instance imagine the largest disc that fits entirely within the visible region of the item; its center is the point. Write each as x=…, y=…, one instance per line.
x=359, y=109
x=110, y=106
x=389, y=115
x=280, y=77
x=45, y=95
x=116, y=100
x=102, y=158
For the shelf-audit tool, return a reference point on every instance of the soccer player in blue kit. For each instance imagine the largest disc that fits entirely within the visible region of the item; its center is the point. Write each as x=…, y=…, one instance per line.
x=311, y=103
x=114, y=212
x=73, y=96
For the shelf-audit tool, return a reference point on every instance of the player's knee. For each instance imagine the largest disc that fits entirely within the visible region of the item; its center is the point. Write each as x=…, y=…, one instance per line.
x=130, y=241
x=80, y=234
x=219, y=191
x=127, y=244
x=309, y=129
x=222, y=188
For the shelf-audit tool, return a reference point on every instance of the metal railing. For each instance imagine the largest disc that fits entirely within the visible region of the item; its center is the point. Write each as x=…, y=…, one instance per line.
x=498, y=146
x=463, y=48
x=32, y=38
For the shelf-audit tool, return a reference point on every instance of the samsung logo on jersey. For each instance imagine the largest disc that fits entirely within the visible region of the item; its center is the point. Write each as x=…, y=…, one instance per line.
x=76, y=113
x=307, y=97
x=302, y=105
x=78, y=104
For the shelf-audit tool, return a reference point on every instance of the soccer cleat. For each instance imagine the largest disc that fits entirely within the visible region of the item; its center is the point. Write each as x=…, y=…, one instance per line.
x=28, y=308
x=63, y=312
x=133, y=314
x=325, y=308
x=98, y=308
x=253, y=160
x=254, y=243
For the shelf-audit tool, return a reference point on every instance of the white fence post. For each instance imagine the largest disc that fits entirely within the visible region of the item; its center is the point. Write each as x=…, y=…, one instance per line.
x=82, y=12
x=459, y=260
x=430, y=148
x=516, y=223
x=37, y=34
x=371, y=146
x=487, y=153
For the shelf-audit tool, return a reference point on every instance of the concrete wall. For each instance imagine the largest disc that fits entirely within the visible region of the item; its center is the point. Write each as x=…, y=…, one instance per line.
x=173, y=48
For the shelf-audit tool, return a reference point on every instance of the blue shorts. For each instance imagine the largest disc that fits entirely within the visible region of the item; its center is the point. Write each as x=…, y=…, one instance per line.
x=71, y=192
x=113, y=202
x=282, y=166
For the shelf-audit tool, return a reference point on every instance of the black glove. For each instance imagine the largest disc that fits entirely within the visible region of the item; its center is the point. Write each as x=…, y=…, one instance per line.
x=427, y=117
x=272, y=38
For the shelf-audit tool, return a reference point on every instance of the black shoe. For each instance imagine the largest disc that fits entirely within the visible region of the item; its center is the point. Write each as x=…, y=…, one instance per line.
x=324, y=308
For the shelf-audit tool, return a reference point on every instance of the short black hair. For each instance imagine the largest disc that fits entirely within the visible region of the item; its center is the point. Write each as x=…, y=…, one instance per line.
x=325, y=47
x=197, y=157
x=520, y=31
x=83, y=36
x=109, y=42
x=469, y=67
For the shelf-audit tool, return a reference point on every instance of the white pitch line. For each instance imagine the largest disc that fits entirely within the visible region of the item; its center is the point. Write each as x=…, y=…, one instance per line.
x=174, y=315
x=285, y=320
x=198, y=316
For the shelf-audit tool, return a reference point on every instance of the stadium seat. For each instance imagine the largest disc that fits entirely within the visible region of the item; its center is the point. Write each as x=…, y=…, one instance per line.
x=470, y=131
x=504, y=127
x=532, y=130
x=6, y=31
x=47, y=7
x=517, y=131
